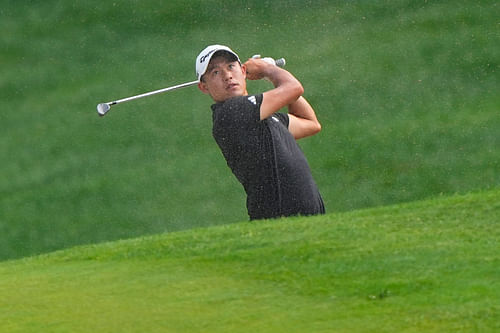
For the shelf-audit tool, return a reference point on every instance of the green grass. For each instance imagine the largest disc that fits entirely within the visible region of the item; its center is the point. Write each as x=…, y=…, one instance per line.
x=429, y=266
x=407, y=92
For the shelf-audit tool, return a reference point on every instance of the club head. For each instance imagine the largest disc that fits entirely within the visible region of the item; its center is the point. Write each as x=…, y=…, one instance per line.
x=102, y=108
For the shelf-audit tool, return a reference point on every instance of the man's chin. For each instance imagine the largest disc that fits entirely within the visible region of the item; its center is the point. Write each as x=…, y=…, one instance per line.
x=235, y=93
x=230, y=93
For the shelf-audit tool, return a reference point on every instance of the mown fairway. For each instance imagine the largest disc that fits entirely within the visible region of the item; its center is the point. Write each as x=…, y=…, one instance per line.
x=407, y=92
x=430, y=266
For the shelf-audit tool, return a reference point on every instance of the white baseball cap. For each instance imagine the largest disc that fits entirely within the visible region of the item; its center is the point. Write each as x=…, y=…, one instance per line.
x=204, y=57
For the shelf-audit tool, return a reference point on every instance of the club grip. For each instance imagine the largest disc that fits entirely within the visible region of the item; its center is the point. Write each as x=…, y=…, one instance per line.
x=278, y=62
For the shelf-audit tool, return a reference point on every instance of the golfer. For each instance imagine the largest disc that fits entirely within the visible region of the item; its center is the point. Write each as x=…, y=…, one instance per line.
x=258, y=143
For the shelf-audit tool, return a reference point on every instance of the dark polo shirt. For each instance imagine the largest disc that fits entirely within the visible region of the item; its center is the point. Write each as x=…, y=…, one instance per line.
x=266, y=159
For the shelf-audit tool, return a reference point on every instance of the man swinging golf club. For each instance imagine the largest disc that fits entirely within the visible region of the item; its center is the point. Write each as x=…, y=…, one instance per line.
x=258, y=143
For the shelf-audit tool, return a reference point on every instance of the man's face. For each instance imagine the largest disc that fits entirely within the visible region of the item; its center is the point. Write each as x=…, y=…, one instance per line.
x=224, y=79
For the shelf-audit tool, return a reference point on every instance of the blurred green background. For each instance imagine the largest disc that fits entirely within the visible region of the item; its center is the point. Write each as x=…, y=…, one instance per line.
x=407, y=93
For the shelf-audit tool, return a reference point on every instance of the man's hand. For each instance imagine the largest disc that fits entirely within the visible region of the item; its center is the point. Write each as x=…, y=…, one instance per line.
x=257, y=68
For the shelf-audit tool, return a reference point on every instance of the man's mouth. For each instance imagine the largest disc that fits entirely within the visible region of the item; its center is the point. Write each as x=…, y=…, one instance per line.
x=232, y=85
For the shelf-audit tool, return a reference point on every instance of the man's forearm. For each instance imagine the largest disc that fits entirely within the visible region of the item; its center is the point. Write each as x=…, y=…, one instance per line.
x=302, y=109
x=303, y=120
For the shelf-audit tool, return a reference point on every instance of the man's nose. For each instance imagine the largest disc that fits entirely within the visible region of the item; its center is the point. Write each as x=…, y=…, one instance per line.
x=227, y=75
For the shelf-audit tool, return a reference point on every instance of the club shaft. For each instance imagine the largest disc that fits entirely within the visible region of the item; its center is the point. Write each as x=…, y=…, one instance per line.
x=159, y=91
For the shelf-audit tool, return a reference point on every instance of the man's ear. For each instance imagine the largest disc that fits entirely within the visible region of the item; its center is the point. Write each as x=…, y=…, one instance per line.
x=203, y=87
x=244, y=70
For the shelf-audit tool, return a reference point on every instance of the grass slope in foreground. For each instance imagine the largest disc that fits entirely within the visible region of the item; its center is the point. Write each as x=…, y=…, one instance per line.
x=430, y=266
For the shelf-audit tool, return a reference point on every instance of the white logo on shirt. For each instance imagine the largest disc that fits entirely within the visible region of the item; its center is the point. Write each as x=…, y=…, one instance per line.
x=253, y=100
x=275, y=119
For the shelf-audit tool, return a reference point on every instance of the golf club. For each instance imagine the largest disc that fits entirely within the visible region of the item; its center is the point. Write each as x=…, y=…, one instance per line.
x=103, y=108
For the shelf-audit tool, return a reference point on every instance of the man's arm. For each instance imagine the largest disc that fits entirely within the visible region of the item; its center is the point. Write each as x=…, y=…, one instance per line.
x=287, y=92
x=287, y=89
x=303, y=121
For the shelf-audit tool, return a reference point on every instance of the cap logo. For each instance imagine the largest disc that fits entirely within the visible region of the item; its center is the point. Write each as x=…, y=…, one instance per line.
x=204, y=57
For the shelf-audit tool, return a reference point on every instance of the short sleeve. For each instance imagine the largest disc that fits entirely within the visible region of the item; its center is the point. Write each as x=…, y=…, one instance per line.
x=283, y=117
